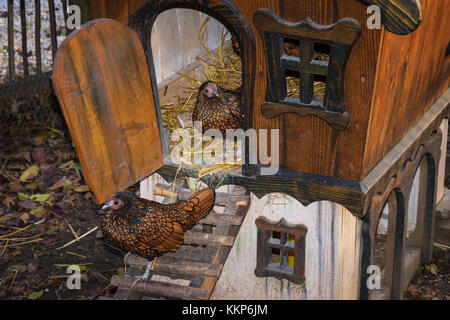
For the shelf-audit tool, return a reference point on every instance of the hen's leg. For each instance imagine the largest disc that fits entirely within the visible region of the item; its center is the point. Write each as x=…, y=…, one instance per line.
x=150, y=267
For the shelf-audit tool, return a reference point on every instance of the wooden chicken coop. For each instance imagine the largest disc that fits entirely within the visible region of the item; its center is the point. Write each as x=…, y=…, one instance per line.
x=361, y=167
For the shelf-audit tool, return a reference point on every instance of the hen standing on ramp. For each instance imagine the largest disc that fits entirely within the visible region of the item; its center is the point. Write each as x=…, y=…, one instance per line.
x=149, y=228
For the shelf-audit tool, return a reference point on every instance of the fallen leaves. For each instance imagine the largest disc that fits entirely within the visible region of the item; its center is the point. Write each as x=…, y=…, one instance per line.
x=29, y=174
x=35, y=295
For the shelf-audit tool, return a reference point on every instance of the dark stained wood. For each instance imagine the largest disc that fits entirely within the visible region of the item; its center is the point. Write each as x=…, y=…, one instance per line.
x=345, y=31
x=337, y=120
x=399, y=16
x=306, y=188
x=104, y=91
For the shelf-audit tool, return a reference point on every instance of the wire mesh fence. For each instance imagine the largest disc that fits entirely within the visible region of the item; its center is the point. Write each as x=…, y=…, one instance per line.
x=30, y=32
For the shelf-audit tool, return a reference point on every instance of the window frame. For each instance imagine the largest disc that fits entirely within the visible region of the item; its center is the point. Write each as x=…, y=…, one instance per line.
x=264, y=265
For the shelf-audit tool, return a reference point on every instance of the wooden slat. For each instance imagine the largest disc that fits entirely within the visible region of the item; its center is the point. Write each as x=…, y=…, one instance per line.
x=104, y=91
x=160, y=288
x=222, y=199
x=12, y=66
x=125, y=293
x=177, y=266
x=216, y=219
x=201, y=238
x=37, y=36
x=54, y=41
x=23, y=21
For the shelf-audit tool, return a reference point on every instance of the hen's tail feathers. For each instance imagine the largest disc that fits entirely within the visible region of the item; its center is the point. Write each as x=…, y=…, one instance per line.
x=198, y=206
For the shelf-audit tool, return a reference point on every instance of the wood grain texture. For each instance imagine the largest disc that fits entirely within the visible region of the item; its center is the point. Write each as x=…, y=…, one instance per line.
x=104, y=90
x=413, y=72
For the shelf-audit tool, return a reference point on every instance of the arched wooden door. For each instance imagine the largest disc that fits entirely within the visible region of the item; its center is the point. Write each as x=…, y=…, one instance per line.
x=102, y=83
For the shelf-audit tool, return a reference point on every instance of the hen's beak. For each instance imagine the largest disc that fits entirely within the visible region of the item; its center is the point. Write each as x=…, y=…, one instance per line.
x=106, y=205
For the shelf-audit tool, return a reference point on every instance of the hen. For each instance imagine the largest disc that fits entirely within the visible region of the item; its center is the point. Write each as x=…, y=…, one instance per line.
x=217, y=108
x=149, y=228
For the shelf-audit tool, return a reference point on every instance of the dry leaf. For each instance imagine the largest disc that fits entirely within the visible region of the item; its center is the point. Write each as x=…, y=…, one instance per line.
x=29, y=174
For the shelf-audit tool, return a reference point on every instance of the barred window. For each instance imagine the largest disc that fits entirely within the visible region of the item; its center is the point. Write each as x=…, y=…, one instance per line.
x=281, y=250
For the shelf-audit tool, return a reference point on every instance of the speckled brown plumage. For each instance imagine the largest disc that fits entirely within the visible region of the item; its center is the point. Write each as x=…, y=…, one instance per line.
x=149, y=228
x=218, y=108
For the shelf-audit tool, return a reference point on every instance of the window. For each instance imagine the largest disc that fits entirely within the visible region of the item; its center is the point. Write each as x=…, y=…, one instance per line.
x=313, y=57
x=281, y=250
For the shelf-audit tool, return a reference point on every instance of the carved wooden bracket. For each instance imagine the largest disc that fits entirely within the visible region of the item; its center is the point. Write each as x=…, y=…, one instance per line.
x=398, y=16
x=338, y=38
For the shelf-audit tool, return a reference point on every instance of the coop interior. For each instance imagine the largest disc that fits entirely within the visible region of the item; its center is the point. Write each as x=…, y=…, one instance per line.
x=201, y=48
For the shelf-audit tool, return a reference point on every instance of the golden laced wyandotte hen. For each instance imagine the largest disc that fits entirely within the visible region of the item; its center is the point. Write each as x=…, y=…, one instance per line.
x=218, y=108
x=149, y=228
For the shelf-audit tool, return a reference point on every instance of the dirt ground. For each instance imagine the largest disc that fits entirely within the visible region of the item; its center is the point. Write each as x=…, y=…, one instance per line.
x=45, y=204
x=42, y=199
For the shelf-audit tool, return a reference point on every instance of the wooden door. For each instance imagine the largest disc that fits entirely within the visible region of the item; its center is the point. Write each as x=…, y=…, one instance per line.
x=103, y=85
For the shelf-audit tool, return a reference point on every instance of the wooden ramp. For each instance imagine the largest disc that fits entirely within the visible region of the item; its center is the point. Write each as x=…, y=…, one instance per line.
x=192, y=271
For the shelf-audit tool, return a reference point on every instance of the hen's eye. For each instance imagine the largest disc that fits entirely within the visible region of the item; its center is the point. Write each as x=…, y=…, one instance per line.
x=116, y=202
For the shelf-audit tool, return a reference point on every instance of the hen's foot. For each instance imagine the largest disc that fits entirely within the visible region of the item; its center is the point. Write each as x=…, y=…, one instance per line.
x=148, y=269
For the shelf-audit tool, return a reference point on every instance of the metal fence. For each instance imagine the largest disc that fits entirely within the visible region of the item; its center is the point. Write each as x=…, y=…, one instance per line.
x=25, y=81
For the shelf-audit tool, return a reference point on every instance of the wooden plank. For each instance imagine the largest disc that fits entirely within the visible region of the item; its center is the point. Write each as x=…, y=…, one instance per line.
x=125, y=293
x=104, y=91
x=201, y=238
x=222, y=199
x=169, y=44
x=216, y=219
x=188, y=25
x=174, y=265
x=160, y=288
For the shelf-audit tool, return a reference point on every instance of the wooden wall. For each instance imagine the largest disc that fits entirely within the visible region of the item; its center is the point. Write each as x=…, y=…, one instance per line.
x=413, y=72
x=118, y=10
x=175, y=42
x=331, y=258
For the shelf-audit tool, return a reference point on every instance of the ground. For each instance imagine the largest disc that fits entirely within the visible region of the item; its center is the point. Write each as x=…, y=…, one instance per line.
x=41, y=188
